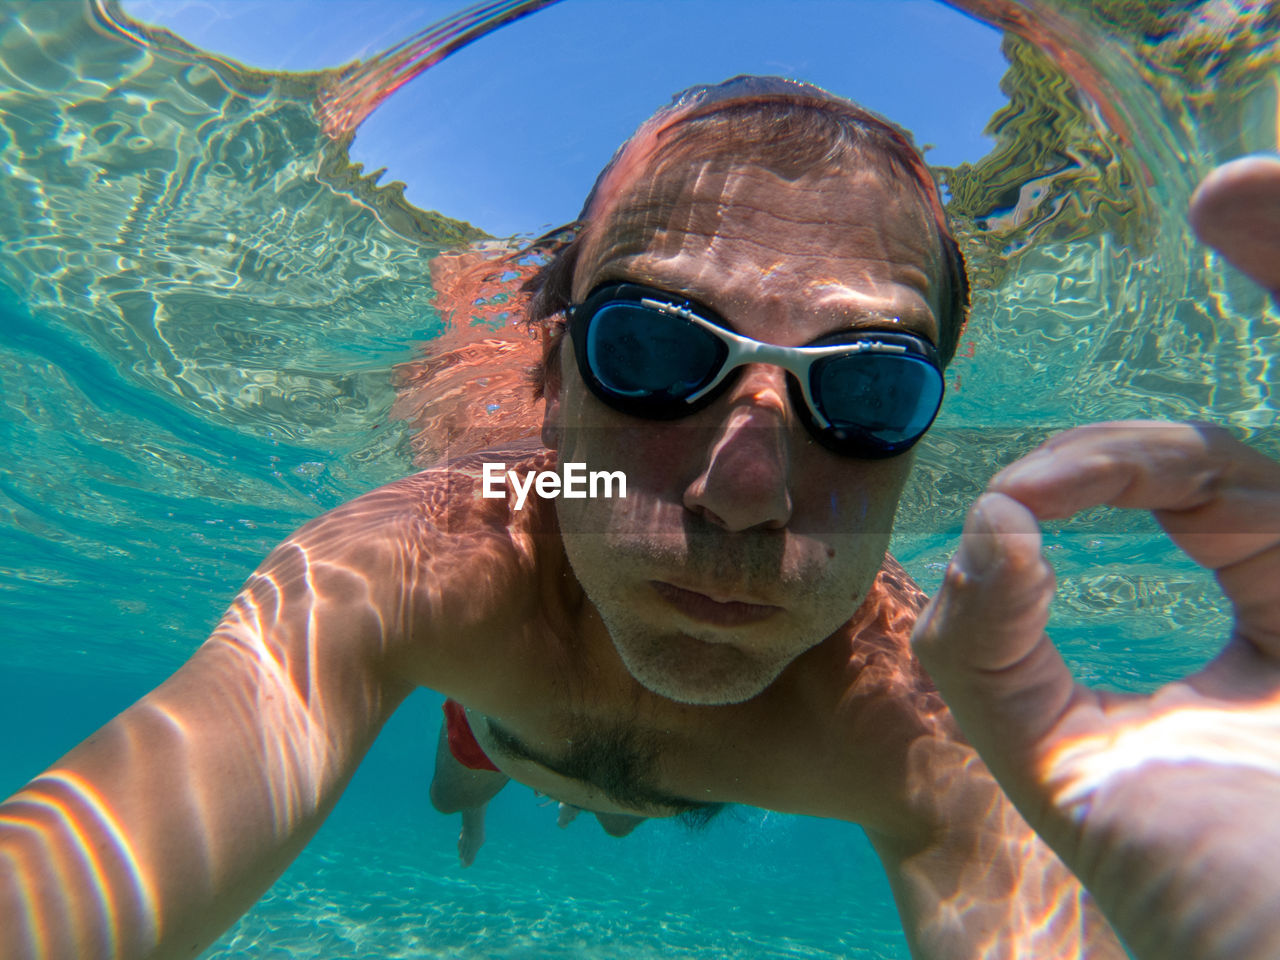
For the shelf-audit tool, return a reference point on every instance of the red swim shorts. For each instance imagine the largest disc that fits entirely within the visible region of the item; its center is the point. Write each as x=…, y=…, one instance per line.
x=462, y=742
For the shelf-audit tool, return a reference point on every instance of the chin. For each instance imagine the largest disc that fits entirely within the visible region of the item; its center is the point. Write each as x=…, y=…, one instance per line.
x=686, y=669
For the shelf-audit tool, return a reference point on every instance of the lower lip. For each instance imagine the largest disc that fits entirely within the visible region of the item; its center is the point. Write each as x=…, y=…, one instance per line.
x=700, y=607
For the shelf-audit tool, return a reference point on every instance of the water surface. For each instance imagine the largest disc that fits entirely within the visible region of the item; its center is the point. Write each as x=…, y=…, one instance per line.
x=205, y=316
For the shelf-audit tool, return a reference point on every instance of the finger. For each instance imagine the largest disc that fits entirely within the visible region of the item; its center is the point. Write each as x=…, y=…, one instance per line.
x=982, y=641
x=1135, y=463
x=1236, y=210
x=1218, y=500
x=1235, y=531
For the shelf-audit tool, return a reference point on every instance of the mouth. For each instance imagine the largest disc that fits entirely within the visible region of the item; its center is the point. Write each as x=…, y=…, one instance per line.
x=719, y=613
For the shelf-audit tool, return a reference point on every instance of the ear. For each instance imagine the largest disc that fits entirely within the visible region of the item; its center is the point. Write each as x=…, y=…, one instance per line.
x=552, y=388
x=551, y=422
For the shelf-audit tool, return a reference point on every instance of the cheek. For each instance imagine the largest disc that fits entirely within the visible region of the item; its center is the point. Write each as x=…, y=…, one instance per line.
x=646, y=452
x=657, y=455
x=852, y=497
x=650, y=453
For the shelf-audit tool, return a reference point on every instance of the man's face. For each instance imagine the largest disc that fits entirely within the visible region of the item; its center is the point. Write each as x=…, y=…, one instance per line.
x=742, y=542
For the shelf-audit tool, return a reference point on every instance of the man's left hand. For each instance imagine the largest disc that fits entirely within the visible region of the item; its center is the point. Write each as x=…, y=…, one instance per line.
x=1164, y=805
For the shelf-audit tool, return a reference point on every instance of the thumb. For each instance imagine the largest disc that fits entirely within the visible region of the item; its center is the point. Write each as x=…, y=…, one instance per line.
x=982, y=639
x=1236, y=210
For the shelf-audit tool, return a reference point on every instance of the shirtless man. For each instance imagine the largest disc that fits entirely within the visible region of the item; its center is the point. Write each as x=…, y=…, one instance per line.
x=730, y=632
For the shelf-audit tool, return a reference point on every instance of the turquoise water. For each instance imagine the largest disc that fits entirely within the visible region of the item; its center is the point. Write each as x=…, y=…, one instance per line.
x=201, y=308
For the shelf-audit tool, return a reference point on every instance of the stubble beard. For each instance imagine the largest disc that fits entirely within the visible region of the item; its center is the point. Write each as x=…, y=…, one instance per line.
x=724, y=674
x=703, y=666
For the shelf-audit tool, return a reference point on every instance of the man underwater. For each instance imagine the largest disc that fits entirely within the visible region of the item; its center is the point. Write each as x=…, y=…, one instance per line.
x=751, y=326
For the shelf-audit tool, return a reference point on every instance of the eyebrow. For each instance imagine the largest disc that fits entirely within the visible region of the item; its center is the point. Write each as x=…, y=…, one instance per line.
x=865, y=321
x=513, y=747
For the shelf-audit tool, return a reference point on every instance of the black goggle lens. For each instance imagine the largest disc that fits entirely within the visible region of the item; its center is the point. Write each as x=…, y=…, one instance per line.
x=653, y=359
x=891, y=398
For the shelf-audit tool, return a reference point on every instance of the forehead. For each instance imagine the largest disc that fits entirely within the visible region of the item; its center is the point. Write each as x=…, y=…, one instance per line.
x=733, y=234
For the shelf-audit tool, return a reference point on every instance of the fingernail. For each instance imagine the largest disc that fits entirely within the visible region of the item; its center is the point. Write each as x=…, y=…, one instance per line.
x=978, y=549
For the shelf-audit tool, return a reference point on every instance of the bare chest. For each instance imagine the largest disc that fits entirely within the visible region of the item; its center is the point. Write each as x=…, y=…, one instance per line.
x=627, y=751
x=554, y=707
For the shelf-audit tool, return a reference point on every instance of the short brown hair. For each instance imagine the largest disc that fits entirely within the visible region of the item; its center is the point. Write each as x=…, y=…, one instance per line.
x=784, y=126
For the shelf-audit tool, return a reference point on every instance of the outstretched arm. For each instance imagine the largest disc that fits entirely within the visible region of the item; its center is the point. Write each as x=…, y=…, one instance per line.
x=152, y=836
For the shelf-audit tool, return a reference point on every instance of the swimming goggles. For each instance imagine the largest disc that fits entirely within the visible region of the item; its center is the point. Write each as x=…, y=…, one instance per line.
x=868, y=394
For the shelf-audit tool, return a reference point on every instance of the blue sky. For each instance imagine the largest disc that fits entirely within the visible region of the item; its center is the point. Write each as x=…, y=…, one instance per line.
x=510, y=132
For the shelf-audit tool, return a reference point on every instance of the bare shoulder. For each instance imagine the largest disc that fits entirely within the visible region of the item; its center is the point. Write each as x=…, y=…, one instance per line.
x=879, y=636
x=884, y=729
x=938, y=786
x=441, y=567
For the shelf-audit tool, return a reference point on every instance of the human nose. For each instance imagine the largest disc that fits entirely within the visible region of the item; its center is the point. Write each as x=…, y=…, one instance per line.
x=745, y=476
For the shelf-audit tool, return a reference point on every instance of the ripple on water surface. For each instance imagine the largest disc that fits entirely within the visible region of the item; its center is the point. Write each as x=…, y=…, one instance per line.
x=202, y=305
